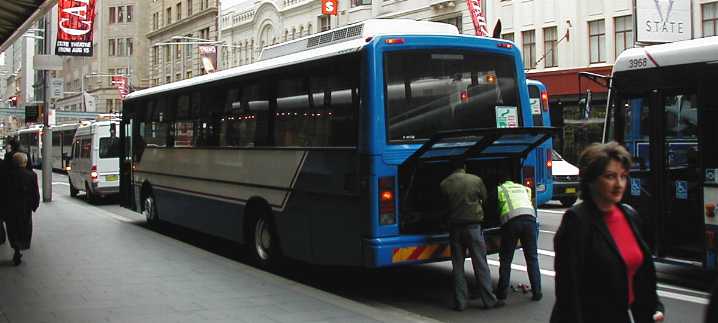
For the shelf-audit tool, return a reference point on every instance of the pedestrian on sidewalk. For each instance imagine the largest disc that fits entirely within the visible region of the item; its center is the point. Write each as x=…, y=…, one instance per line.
x=22, y=198
x=604, y=269
x=466, y=194
x=518, y=222
x=11, y=147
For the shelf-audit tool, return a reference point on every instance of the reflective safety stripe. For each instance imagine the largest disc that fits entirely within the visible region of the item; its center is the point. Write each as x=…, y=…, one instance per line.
x=421, y=253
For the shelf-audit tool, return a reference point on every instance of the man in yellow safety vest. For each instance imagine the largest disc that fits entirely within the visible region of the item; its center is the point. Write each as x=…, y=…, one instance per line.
x=518, y=221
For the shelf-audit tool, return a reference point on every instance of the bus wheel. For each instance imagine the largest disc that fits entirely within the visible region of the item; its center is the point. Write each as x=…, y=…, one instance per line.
x=73, y=190
x=149, y=209
x=264, y=242
x=568, y=201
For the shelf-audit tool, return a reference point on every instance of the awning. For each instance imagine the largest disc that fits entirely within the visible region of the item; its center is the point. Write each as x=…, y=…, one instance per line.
x=16, y=17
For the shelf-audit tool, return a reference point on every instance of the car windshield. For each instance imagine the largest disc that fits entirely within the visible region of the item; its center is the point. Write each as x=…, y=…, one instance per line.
x=109, y=147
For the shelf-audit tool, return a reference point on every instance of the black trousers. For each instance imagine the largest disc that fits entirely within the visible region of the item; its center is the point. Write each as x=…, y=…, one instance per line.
x=525, y=229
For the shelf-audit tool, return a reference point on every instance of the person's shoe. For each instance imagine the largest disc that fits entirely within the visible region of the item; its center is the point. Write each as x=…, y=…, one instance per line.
x=537, y=296
x=499, y=303
x=459, y=308
x=17, y=259
x=500, y=294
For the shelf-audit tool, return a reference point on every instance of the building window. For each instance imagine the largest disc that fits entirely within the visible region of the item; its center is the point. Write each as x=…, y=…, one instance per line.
x=597, y=41
x=179, y=11
x=169, y=15
x=508, y=36
x=178, y=76
x=168, y=54
x=456, y=21
x=121, y=47
x=356, y=3
x=168, y=79
x=155, y=21
x=204, y=4
x=113, y=15
x=189, y=8
x=204, y=33
x=324, y=23
x=111, y=50
x=178, y=51
x=189, y=74
x=624, y=33
x=710, y=19
x=529, y=48
x=130, y=48
x=129, y=13
x=155, y=55
x=550, y=47
x=120, y=14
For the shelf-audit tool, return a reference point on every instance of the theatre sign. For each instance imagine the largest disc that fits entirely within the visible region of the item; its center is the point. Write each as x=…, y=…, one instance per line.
x=663, y=21
x=75, y=20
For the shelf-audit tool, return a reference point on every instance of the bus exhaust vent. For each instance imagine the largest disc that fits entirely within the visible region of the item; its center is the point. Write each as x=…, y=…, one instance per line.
x=323, y=39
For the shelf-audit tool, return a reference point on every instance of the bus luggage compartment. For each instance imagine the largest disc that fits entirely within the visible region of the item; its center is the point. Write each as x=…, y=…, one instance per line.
x=488, y=153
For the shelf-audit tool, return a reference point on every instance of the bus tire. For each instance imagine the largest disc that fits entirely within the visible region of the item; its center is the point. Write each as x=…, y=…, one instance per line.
x=73, y=190
x=149, y=207
x=567, y=201
x=263, y=237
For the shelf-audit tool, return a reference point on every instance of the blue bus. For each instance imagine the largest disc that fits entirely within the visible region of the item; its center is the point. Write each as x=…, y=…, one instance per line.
x=664, y=109
x=330, y=148
x=538, y=97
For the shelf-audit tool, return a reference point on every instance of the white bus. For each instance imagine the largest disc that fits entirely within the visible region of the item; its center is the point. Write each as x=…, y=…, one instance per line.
x=664, y=109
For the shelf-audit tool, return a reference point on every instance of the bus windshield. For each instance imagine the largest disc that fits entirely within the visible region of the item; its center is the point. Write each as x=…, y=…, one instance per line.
x=430, y=91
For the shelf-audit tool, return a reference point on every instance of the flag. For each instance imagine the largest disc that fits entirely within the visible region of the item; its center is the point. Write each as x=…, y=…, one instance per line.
x=75, y=22
x=477, y=16
x=120, y=82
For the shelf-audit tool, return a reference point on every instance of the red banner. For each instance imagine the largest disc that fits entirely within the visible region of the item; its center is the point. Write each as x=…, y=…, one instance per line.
x=75, y=19
x=477, y=16
x=329, y=7
x=120, y=82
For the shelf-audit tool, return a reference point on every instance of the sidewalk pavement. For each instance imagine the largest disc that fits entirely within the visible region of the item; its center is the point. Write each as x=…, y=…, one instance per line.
x=86, y=266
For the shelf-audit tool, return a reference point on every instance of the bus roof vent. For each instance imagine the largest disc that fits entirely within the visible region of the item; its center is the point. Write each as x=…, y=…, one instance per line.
x=365, y=29
x=320, y=40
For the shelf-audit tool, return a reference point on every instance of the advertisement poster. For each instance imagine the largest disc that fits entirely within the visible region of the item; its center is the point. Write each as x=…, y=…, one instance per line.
x=477, y=17
x=120, y=82
x=209, y=57
x=75, y=21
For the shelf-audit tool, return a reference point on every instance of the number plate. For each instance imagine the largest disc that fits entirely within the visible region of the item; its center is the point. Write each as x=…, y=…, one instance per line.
x=111, y=178
x=570, y=190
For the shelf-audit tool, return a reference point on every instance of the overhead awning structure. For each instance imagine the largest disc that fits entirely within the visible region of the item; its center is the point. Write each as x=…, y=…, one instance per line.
x=16, y=17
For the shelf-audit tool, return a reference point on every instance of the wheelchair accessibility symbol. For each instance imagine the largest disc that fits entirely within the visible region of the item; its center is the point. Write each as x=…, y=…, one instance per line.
x=682, y=190
x=635, y=187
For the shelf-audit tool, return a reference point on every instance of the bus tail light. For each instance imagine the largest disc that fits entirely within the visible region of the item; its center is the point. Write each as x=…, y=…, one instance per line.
x=544, y=101
x=464, y=96
x=549, y=159
x=68, y=168
x=530, y=179
x=93, y=173
x=394, y=41
x=505, y=45
x=387, y=208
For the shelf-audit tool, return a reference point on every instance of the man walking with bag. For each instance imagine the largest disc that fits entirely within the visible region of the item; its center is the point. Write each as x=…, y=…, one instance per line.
x=518, y=222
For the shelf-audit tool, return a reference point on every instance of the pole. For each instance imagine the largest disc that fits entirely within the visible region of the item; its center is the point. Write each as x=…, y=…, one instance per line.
x=46, y=131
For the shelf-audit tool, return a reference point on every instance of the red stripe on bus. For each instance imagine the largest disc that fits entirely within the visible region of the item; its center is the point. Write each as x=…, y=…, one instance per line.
x=416, y=253
x=651, y=58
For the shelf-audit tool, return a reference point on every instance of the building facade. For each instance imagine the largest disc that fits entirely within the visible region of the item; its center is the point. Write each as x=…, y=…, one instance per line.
x=171, y=22
x=119, y=41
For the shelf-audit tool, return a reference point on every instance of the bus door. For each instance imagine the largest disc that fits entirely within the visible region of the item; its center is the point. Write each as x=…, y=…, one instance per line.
x=708, y=156
x=126, y=179
x=661, y=132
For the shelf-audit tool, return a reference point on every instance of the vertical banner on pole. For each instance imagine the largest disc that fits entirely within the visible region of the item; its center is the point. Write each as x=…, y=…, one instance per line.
x=208, y=54
x=477, y=17
x=120, y=82
x=75, y=20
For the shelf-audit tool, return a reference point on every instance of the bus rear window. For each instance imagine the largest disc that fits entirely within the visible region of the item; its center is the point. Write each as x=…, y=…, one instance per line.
x=109, y=147
x=431, y=91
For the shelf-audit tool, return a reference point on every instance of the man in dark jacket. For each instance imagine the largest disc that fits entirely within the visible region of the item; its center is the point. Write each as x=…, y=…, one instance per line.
x=23, y=198
x=465, y=194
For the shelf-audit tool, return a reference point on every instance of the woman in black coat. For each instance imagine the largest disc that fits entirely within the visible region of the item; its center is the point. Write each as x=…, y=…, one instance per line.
x=604, y=269
x=23, y=198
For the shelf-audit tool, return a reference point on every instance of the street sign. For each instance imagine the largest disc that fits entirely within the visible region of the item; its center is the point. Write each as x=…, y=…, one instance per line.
x=681, y=190
x=329, y=7
x=57, y=88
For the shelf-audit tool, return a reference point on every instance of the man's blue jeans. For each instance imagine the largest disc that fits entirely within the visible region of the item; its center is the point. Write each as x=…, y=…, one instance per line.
x=522, y=228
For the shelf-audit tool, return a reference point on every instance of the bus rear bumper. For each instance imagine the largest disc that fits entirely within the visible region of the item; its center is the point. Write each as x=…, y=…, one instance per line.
x=416, y=249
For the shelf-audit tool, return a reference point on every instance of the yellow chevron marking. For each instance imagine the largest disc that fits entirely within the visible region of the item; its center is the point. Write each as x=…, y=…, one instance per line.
x=428, y=252
x=402, y=254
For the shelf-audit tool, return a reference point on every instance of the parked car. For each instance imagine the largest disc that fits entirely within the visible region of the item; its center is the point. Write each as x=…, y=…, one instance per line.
x=565, y=180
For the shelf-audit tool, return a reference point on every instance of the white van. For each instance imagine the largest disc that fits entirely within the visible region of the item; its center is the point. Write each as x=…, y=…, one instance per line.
x=95, y=164
x=565, y=180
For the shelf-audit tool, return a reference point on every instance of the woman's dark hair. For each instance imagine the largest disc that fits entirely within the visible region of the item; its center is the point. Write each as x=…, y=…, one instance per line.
x=593, y=162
